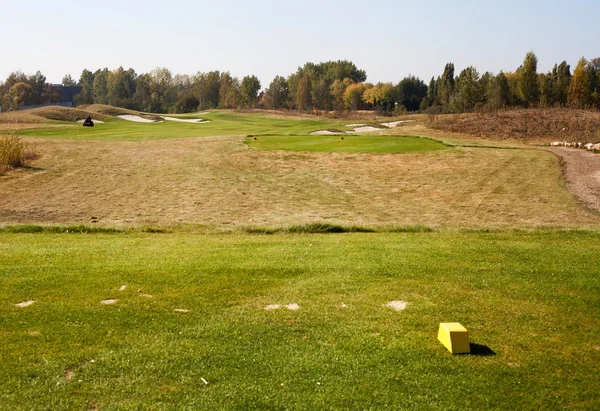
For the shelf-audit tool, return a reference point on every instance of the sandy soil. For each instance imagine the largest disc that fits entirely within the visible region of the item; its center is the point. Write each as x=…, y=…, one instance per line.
x=137, y=119
x=323, y=133
x=187, y=120
x=582, y=173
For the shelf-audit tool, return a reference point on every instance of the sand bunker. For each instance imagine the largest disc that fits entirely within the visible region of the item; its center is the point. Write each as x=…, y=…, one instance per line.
x=344, y=305
x=188, y=120
x=109, y=301
x=365, y=129
x=323, y=133
x=355, y=125
x=137, y=119
x=395, y=123
x=181, y=310
x=25, y=303
x=123, y=287
x=292, y=307
x=272, y=307
x=146, y=295
x=396, y=305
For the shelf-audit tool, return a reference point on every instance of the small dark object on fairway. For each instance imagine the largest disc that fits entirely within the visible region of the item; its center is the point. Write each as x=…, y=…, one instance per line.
x=255, y=138
x=88, y=122
x=342, y=138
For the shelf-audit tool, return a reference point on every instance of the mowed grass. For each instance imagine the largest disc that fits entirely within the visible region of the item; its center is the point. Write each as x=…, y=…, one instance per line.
x=533, y=299
x=221, y=124
x=346, y=144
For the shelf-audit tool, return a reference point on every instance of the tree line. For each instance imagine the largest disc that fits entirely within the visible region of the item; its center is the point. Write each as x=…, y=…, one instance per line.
x=333, y=85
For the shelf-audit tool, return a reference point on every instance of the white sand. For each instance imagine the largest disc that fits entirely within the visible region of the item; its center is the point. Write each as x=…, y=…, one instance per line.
x=181, y=310
x=396, y=305
x=323, y=133
x=395, y=123
x=365, y=129
x=188, y=120
x=344, y=305
x=272, y=307
x=146, y=295
x=123, y=287
x=94, y=120
x=355, y=125
x=25, y=303
x=109, y=301
x=137, y=119
x=292, y=307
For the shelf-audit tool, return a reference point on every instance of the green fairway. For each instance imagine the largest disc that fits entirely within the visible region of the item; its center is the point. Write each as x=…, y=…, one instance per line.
x=346, y=144
x=533, y=299
x=221, y=124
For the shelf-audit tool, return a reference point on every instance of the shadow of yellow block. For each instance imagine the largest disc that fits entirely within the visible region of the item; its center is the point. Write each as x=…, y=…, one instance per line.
x=454, y=337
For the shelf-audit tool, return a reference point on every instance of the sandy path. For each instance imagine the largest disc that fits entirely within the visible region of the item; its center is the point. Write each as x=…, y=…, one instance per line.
x=582, y=173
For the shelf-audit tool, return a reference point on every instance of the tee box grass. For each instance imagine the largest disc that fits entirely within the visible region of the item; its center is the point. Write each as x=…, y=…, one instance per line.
x=531, y=297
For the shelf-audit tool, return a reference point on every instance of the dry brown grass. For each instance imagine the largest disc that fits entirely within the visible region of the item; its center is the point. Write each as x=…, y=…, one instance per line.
x=107, y=110
x=533, y=126
x=220, y=182
x=42, y=114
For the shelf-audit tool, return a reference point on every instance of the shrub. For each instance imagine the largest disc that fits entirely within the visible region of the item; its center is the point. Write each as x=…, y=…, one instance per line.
x=12, y=152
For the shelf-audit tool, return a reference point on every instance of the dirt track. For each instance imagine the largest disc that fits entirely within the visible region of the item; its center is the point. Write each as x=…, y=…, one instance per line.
x=582, y=173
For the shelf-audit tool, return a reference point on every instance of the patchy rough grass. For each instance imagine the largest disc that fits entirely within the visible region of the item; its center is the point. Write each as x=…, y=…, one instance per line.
x=529, y=300
x=220, y=182
x=530, y=126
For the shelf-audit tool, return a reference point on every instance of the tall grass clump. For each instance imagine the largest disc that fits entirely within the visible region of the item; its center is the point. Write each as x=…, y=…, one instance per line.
x=12, y=152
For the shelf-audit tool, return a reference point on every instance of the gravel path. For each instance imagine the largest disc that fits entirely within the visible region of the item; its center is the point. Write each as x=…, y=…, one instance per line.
x=583, y=174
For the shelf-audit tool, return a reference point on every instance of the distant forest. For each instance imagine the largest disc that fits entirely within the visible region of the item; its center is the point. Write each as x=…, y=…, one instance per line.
x=333, y=85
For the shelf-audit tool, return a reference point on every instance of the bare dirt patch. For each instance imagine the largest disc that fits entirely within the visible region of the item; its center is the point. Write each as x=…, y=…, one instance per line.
x=582, y=171
x=397, y=305
x=25, y=304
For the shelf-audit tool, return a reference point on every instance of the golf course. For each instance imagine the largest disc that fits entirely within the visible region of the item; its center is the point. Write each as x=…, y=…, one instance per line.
x=230, y=259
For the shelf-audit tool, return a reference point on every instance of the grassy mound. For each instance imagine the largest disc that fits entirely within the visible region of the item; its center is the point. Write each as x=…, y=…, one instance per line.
x=43, y=114
x=533, y=125
x=346, y=144
x=108, y=110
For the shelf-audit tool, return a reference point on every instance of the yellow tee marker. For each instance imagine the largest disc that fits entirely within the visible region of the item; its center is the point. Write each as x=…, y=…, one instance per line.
x=454, y=337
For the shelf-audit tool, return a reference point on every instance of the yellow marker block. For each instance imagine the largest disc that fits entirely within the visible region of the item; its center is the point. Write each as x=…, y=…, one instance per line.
x=455, y=338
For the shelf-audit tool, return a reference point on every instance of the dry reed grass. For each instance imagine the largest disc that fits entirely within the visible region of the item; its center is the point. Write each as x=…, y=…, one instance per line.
x=538, y=126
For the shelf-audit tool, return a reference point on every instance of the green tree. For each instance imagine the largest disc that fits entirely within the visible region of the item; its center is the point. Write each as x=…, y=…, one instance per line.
x=206, y=87
x=528, y=83
x=229, y=91
x=410, y=92
x=68, y=81
x=353, y=96
x=337, y=90
x=99, y=90
x=498, y=92
x=86, y=82
x=580, y=90
x=249, y=91
x=468, y=93
x=303, y=94
x=277, y=93
x=20, y=94
x=446, y=85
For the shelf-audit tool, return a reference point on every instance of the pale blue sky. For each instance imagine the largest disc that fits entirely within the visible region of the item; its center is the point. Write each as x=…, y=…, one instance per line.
x=389, y=39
